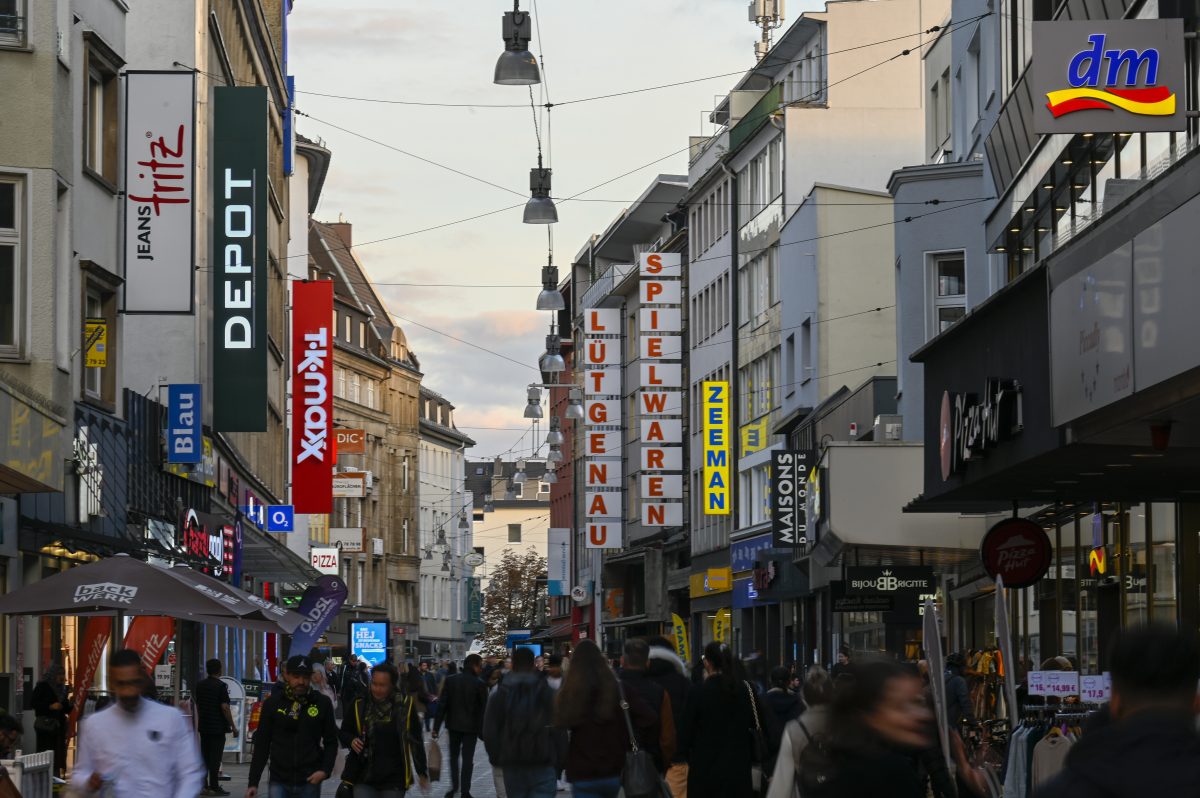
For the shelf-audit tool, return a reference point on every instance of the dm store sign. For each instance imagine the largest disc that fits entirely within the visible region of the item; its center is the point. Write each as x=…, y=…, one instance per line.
x=1120, y=76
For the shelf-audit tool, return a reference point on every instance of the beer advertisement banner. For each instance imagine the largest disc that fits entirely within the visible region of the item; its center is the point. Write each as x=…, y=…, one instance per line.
x=789, y=497
x=160, y=193
x=312, y=396
x=239, y=259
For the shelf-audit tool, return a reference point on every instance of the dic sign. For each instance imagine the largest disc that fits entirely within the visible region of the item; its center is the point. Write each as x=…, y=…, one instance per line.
x=368, y=641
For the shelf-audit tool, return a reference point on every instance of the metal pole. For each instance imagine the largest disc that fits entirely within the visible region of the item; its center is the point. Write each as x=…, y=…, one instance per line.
x=1058, y=576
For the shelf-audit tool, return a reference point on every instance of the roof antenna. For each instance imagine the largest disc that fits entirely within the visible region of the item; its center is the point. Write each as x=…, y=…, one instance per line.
x=768, y=15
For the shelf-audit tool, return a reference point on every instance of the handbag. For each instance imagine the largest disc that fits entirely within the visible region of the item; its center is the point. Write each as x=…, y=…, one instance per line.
x=46, y=724
x=355, y=766
x=639, y=777
x=758, y=748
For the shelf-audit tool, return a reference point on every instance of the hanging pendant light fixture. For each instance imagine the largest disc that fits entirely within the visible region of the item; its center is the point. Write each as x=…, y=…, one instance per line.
x=552, y=362
x=533, y=406
x=550, y=298
x=516, y=65
x=575, y=405
x=540, y=208
x=554, y=437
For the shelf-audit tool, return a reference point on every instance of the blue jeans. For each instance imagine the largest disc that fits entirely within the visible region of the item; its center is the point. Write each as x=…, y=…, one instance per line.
x=529, y=782
x=305, y=790
x=595, y=788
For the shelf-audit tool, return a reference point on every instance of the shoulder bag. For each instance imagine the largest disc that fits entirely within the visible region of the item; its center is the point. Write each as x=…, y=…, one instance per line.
x=758, y=748
x=639, y=777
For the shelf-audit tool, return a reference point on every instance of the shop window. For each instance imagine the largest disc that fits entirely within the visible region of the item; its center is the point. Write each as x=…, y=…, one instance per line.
x=12, y=265
x=100, y=106
x=948, y=291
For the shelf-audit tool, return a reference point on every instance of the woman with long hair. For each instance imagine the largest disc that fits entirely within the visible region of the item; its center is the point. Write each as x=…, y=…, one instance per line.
x=718, y=730
x=383, y=732
x=51, y=704
x=589, y=706
x=880, y=721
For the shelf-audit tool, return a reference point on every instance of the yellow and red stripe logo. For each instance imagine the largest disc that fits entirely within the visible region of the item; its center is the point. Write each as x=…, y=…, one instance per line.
x=1150, y=101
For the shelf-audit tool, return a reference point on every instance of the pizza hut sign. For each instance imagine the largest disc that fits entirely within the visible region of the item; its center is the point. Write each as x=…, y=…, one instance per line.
x=1018, y=550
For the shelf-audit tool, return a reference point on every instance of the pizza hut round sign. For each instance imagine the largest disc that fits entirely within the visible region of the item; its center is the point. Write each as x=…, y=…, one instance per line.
x=1018, y=550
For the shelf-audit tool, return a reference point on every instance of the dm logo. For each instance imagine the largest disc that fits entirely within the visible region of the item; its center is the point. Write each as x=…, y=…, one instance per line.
x=1107, y=79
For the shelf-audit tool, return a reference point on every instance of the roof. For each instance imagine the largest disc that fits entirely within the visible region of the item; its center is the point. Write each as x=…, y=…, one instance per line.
x=350, y=281
x=318, y=157
x=638, y=223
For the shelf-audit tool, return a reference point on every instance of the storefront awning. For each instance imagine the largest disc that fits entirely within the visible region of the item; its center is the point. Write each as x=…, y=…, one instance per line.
x=557, y=631
x=266, y=559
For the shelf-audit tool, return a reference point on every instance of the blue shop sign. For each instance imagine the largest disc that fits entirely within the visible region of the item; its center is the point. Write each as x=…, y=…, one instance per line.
x=743, y=553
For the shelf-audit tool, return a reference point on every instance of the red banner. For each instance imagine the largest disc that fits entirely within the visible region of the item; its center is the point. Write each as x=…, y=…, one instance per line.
x=149, y=635
x=91, y=655
x=312, y=396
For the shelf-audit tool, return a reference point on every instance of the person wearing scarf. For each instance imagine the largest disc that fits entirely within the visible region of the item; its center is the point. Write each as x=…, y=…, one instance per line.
x=384, y=734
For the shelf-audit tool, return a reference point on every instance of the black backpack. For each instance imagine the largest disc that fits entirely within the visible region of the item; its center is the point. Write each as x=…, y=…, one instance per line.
x=815, y=765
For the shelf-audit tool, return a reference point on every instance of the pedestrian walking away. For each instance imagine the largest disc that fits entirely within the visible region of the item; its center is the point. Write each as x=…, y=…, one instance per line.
x=136, y=747
x=588, y=705
x=51, y=705
x=797, y=734
x=717, y=734
x=782, y=703
x=659, y=738
x=667, y=669
x=878, y=724
x=385, y=738
x=461, y=708
x=519, y=733
x=213, y=721
x=1149, y=746
x=297, y=734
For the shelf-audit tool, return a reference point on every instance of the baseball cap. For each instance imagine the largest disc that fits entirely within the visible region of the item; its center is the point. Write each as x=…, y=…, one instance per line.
x=299, y=665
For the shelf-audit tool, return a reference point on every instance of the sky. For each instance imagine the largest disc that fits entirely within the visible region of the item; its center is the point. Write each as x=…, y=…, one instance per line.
x=446, y=53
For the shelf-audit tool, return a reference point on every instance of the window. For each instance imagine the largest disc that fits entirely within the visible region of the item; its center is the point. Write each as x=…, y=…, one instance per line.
x=100, y=113
x=339, y=382
x=948, y=290
x=11, y=266
x=99, y=304
x=759, y=286
x=362, y=577
x=355, y=386
x=404, y=536
x=806, y=353
x=372, y=397
x=514, y=533
x=759, y=386
x=12, y=23
x=346, y=335
x=92, y=377
x=362, y=335
x=761, y=181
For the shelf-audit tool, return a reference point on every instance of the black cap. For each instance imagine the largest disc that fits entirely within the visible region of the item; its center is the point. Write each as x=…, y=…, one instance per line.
x=299, y=665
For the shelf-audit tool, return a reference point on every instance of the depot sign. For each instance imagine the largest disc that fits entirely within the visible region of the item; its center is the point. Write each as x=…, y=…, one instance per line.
x=1121, y=76
x=239, y=259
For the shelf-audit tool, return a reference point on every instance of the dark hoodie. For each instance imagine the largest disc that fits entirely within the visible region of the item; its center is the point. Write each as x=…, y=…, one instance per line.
x=1148, y=754
x=668, y=670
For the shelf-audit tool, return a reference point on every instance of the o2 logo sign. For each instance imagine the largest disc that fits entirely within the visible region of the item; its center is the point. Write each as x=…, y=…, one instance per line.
x=1108, y=77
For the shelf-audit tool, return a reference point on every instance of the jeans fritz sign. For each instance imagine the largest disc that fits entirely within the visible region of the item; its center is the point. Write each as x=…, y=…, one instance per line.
x=660, y=398
x=160, y=197
x=312, y=396
x=239, y=259
x=1121, y=76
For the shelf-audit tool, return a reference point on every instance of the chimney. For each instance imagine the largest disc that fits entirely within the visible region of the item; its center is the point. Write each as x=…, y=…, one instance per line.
x=342, y=228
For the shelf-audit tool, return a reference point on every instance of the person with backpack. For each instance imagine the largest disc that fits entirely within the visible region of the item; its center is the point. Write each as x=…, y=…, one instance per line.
x=799, y=733
x=519, y=734
x=718, y=732
x=668, y=670
x=783, y=704
x=384, y=735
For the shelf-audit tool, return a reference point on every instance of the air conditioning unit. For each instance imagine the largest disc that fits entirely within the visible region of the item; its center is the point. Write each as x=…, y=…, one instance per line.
x=369, y=481
x=889, y=428
x=377, y=547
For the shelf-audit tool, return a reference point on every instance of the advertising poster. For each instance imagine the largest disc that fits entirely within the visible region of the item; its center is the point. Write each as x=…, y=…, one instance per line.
x=312, y=396
x=369, y=641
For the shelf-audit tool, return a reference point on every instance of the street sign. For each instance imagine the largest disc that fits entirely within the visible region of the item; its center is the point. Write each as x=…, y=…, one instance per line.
x=281, y=518
x=256, y=513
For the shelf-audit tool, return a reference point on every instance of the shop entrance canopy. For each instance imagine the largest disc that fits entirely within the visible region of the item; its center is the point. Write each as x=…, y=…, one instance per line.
x=123, y=584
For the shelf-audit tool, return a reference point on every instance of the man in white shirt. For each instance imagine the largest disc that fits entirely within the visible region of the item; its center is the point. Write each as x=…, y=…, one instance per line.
x=136, y=746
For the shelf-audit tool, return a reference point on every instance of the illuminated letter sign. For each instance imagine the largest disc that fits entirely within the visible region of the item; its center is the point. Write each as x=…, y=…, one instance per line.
x=714, y=404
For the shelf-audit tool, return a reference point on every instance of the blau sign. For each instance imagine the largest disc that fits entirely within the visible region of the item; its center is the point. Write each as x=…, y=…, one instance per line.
x=184, y=414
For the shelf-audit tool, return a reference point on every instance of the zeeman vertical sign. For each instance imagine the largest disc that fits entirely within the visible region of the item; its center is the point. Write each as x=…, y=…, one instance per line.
x=239, y=259
x=714, y=409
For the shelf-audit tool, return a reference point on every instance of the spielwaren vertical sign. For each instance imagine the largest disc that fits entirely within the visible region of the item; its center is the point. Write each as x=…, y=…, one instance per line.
x=312, y=396
x=239, y=259
x=660, y=397
x=603, y=507
x=714, y=427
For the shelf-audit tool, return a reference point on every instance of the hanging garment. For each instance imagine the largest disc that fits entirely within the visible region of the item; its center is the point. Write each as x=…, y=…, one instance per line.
x=1049, y=757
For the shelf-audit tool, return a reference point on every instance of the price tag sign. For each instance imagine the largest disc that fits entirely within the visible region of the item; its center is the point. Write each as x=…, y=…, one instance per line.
x=1037, y=683
x=1095, y=689
x=1062, y=683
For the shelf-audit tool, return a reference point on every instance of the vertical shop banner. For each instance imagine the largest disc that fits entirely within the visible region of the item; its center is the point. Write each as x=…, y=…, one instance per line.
x=789, y=498
x=149, y=636
x=321, y=603
x=91, y=656
x=185, y=411
x=160, y=193
x=312, y=396
x=602, y=428
x=680, y=633
x=714, y=409
x=722, y=624
x=558, y=561
x=239, y=259
x=660, y=398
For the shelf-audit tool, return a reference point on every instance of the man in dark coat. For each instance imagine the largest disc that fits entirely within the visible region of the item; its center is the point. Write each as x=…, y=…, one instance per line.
x=668, y=670
x=958, y=697
x=1151, y=746
x=461, y=708
x=659, y=739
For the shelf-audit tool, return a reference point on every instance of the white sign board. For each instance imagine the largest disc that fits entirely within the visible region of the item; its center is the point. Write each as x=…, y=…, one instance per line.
x=348, y=539
x=160, y=196
x=325, y=560
x=349, y=485
x=1095, y=689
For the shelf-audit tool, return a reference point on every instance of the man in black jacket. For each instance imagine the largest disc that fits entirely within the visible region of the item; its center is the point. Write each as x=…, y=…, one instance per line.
x=461, y=707
x=519, y=733
x=296, y=730
x=958, y=696
x=668, y=670
x=659, y=740
x=1150, y=748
